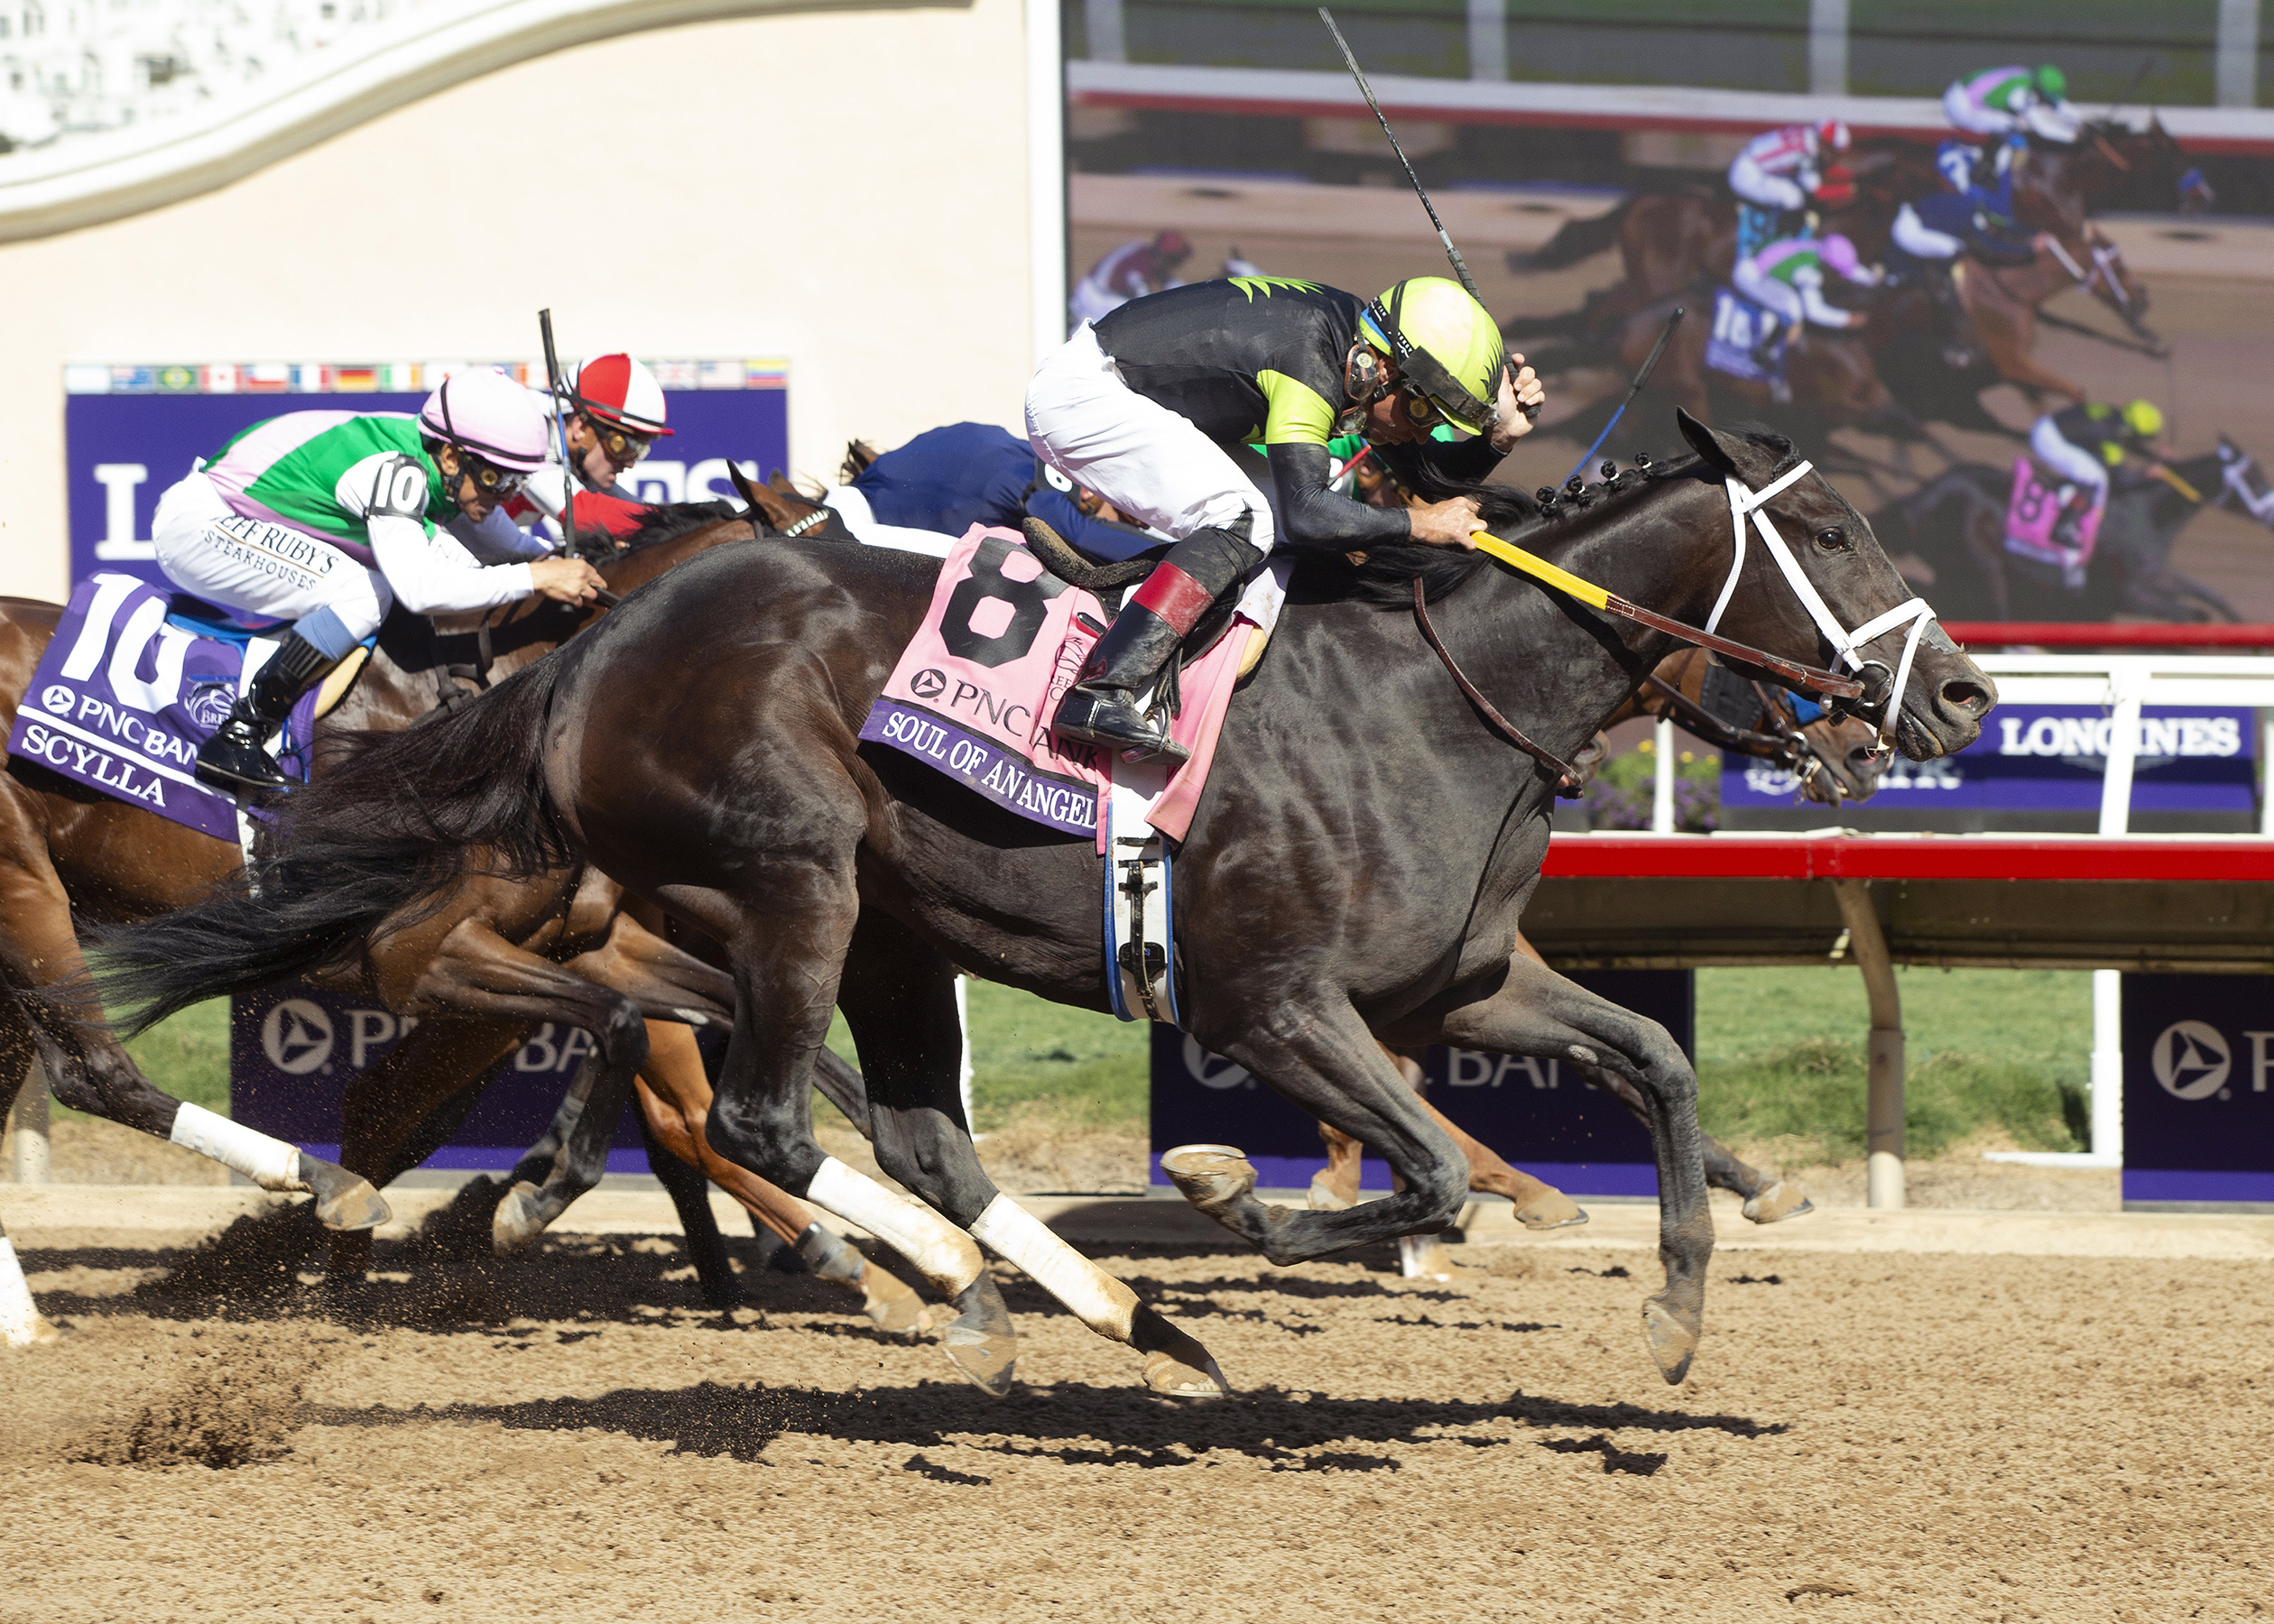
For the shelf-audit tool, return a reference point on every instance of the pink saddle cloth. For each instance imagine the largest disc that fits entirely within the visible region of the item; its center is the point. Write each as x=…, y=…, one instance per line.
x=2032, y=514
x=974, y=690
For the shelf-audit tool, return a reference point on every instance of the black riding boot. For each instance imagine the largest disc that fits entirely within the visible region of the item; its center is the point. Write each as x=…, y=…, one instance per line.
x=237, y=758
x=1101, y=707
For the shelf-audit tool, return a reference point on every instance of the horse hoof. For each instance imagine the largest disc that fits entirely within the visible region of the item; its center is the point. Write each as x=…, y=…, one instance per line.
x=1175, y=1361
x=1211, y=1176
x=343, y=1200
x=980, y=1341
x=891, y=1306
x=519, y=1220
x=1551, y=1210
x=1323, y=1199
x=1673, y=1341
x=1174, y=1378
x=1424, y=1258
x=1780, y=1201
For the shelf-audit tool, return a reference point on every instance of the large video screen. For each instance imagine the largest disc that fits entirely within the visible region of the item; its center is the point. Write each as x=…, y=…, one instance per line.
x=2012, y=297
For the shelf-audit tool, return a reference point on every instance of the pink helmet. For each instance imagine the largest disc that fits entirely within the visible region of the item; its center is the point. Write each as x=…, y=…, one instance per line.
x=620, y=391
x=490, y=415
x=1833, y=133
x=1840, y=255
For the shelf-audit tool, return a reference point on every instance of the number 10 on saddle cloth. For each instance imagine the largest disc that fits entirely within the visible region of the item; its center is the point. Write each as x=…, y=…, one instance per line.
x=1003, y=641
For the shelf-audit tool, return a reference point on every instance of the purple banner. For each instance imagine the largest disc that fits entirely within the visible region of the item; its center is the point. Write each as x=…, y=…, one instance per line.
x=2198, y=1090
x=2050, y=758
x=985, y=766
x=294, y=1050
x=122, y=701
x=1538, y=1113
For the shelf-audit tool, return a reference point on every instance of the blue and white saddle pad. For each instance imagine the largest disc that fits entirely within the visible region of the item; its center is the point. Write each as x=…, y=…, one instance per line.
x=1744, y=336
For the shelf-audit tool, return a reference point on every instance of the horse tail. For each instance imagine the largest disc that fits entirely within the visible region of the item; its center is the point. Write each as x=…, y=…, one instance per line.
x=375, y=844
x=1574, y=241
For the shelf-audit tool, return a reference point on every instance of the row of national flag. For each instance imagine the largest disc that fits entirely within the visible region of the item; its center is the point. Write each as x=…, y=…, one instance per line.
x=389, y=377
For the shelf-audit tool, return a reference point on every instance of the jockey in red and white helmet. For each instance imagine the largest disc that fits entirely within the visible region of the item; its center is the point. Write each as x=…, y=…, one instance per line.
x=327, y=519
x=1784, y=168
x=615, y=410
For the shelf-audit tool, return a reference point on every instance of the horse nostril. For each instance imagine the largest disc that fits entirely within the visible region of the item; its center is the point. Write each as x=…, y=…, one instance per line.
x=1969, y=698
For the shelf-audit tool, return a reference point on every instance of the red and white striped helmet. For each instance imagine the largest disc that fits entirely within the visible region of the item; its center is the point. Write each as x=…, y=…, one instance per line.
x=618, y=389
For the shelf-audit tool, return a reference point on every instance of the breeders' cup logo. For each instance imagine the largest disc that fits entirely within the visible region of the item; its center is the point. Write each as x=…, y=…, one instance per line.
x=298, y=1037
x=928, y=683
x=210, y=704
x=2191, y=1060
x=56, y=698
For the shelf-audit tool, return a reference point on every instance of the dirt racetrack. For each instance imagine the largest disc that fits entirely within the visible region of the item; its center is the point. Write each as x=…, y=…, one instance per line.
x=1881, y=1437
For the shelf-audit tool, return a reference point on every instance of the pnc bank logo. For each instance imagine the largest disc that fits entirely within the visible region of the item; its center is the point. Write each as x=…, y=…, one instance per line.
x=56, y=698
x=928, y=683
x=2191, y=1060
x=297, y=1037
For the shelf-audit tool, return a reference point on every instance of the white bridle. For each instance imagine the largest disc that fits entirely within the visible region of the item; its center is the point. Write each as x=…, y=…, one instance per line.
x=2234, y=473
x=1744, y=500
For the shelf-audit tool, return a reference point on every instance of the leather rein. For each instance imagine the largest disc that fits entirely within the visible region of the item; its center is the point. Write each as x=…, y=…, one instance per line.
x=1743, y=504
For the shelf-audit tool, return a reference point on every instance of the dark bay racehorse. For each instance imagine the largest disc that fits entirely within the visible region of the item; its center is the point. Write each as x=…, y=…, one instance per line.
x=1357, y=867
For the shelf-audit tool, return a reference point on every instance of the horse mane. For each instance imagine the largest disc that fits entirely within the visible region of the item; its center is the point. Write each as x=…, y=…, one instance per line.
x=669, y=521
x=1385, y=575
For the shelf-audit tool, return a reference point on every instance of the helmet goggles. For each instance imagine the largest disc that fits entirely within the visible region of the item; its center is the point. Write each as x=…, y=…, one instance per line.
x=624, y=446
x=1430, y=389
x=494, y=484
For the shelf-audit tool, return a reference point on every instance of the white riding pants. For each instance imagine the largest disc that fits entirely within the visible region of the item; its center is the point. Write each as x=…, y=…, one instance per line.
x=1966, y=113
x=1145, y=459
x=1797, y=301
x=1916, y=238
x=2071, y=462
x=208, y=548
x=1750, y=181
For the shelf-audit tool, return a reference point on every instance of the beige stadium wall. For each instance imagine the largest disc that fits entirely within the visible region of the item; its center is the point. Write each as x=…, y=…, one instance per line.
x=844, y=189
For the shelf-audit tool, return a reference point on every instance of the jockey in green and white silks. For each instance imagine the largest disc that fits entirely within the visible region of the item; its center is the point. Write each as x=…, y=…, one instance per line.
x=325, y=519
x=1787, y=279
x=1148, y=407
x=2007, y=101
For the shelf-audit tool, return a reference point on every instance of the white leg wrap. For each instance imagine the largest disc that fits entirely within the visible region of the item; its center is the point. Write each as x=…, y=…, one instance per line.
x=18, y=1317
x=270, y=1163
x=1102, y=1303
x=949, y=1258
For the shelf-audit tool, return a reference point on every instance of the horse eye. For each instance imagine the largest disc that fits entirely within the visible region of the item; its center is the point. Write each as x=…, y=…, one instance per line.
x=1833, y=540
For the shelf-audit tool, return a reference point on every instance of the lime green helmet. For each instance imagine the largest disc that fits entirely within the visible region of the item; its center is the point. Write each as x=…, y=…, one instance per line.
x=2050, y=83
x=1445, y=343
x=2144, y=419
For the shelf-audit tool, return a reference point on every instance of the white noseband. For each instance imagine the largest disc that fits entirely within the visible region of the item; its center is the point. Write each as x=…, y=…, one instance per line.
x=1744, y=500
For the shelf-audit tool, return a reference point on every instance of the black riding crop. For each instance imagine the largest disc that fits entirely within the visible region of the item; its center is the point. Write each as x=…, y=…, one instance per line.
x=1460, y=266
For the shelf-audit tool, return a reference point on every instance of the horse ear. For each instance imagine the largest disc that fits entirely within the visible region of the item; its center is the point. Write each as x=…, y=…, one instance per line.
x=741, y=482
x=1707, y=441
